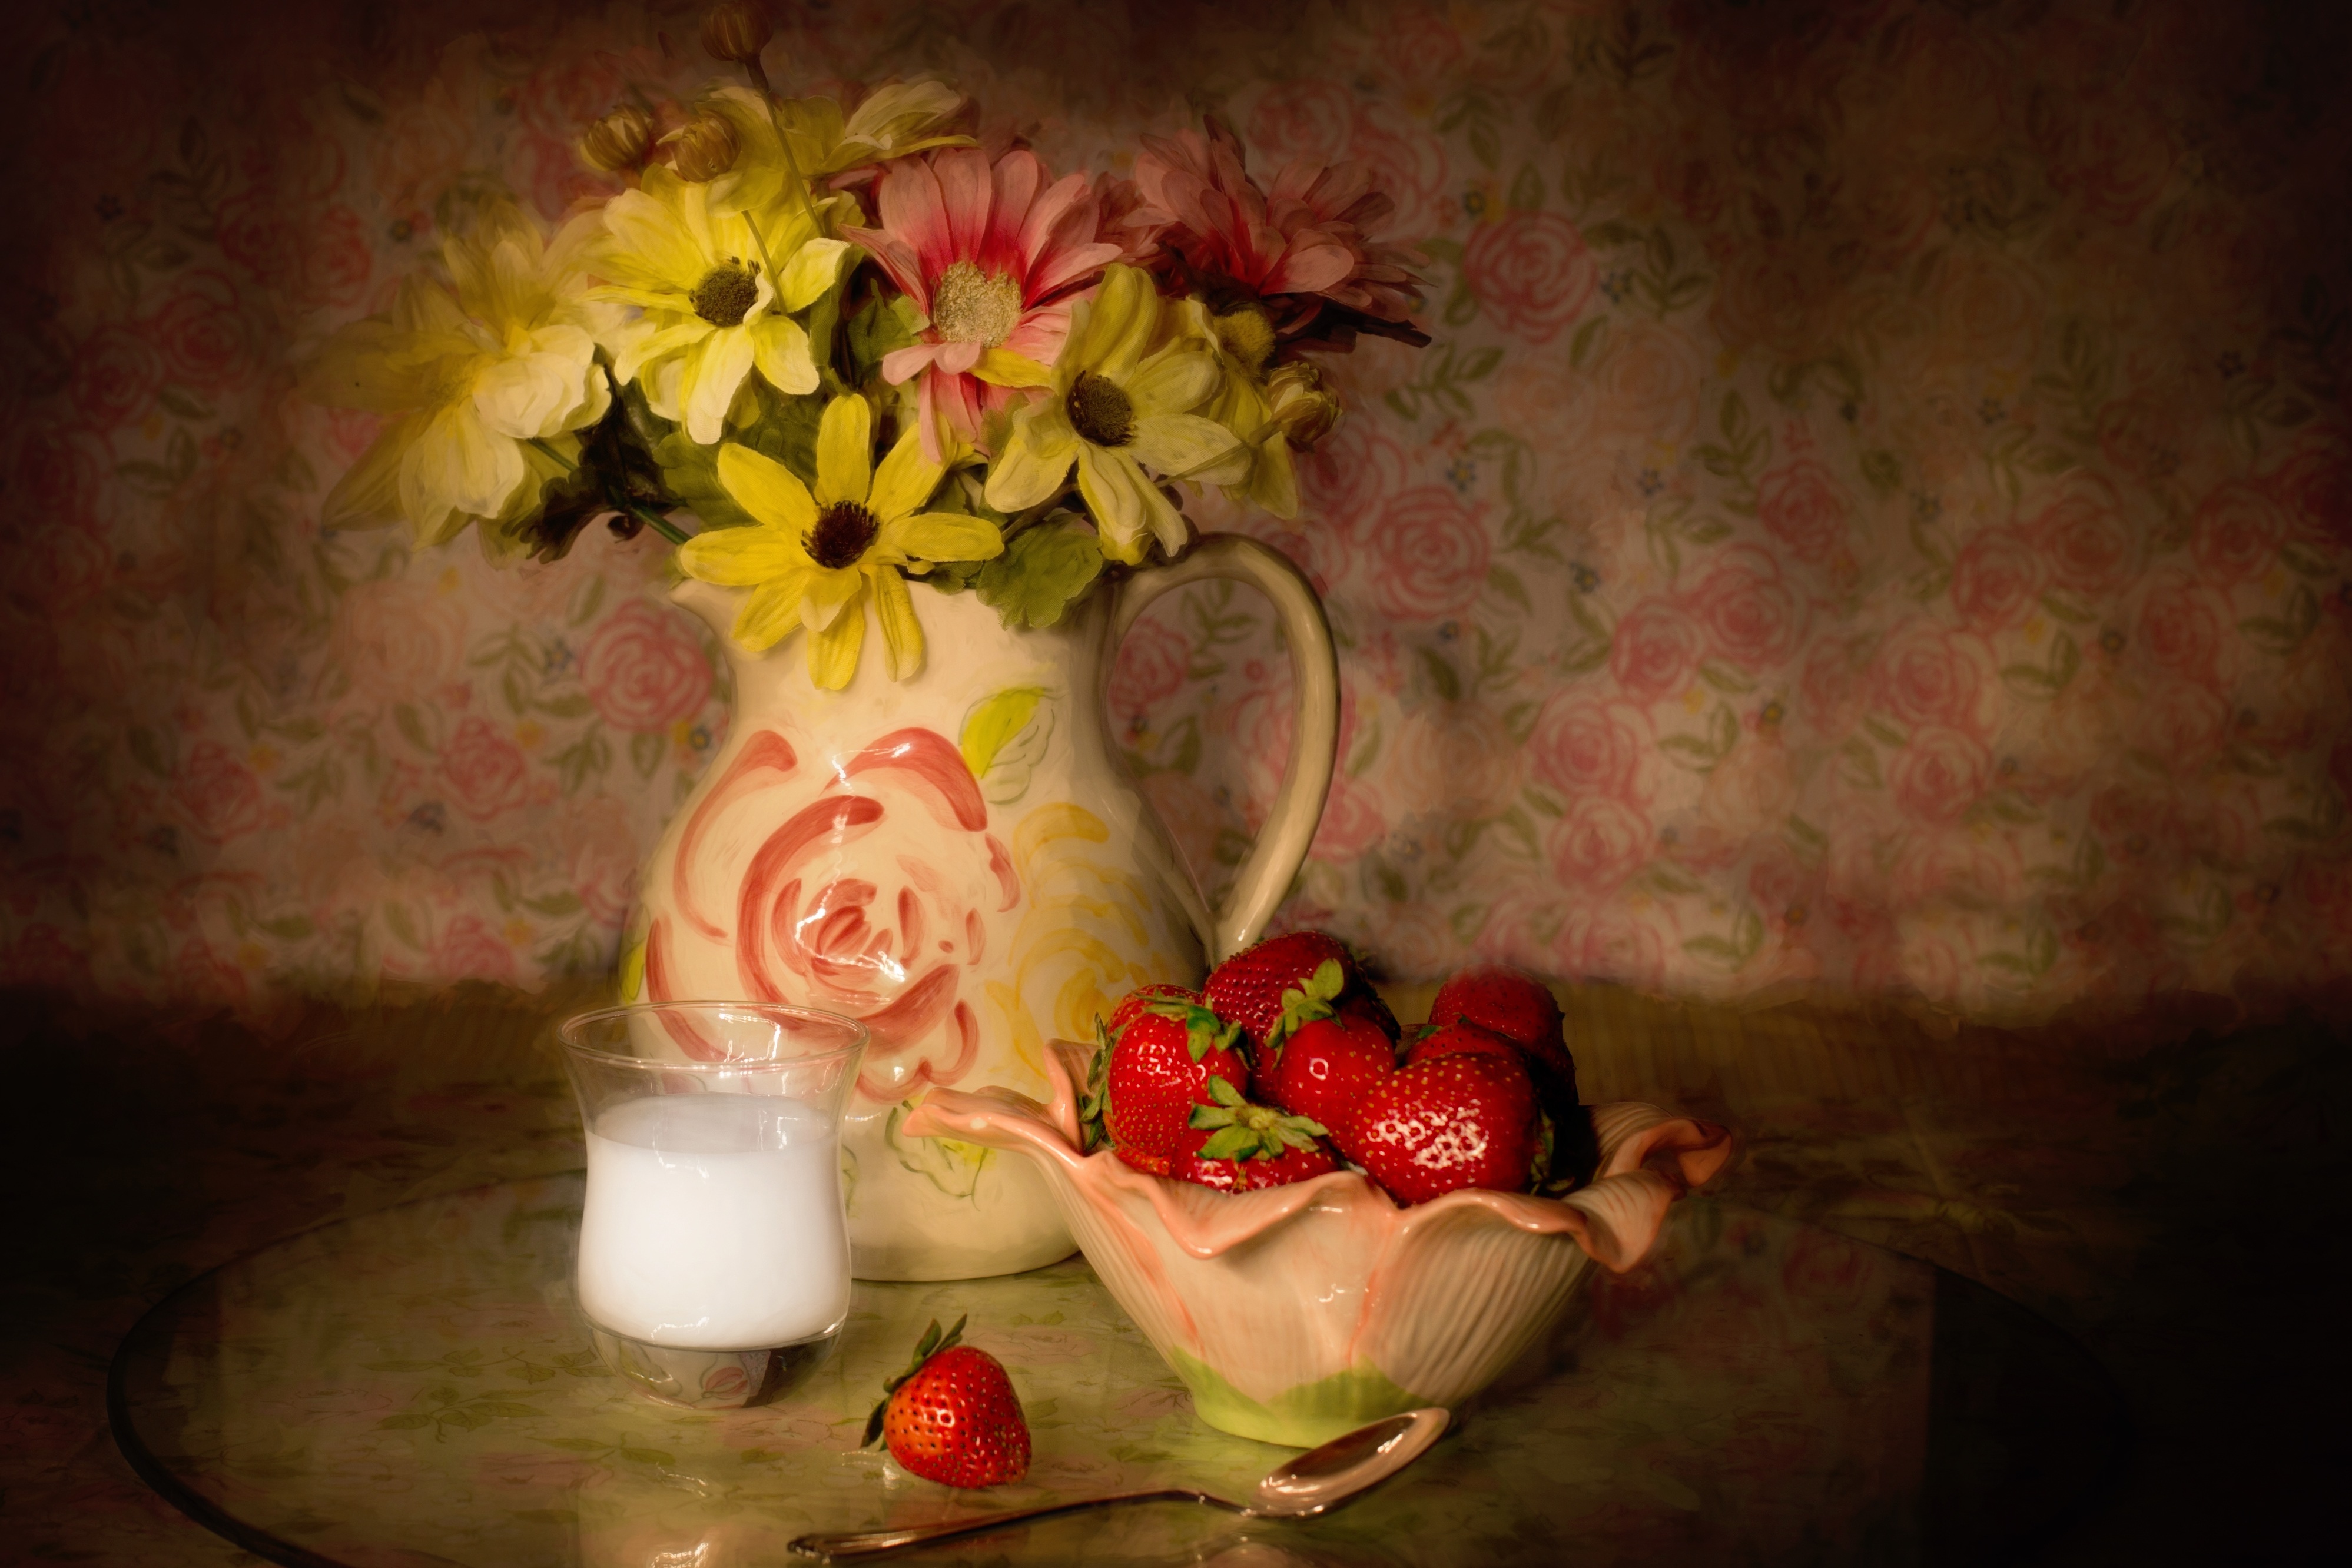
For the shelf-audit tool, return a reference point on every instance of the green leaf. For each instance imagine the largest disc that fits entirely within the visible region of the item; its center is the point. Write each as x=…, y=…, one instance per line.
x=1527, y=190
x=1043, y=569
x=646, y=753
x=403, y=1423
x=649, y=1456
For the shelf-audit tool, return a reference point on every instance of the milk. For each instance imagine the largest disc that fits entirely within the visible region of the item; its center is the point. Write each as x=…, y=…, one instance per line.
x=714, y=1222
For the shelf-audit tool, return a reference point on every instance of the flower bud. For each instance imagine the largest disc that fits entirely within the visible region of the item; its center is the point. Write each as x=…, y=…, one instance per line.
x=620, y=140
x=737, y=30
x=1306, y=411
x=702, y=148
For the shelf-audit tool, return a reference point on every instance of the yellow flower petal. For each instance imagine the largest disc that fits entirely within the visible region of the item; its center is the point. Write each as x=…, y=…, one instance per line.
x=825, y=594
x=810, y=273
x=845, y=452
x=1109, y=333
x=833, y=653
x=939, y=536
x=781, y=349
x=768, y=616
x=905, y=480
x=1174, y=381
x=1004, y=368
x=902, y=634
x=1128, y=509
x=1180, y=445
x=457, y=464
x=368, y=494
x=767, y=489
x=1036, y=459
x=711, y=375
x=744, y=558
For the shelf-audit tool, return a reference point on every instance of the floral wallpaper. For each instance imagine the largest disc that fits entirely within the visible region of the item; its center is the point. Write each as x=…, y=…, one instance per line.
x=1875, y=516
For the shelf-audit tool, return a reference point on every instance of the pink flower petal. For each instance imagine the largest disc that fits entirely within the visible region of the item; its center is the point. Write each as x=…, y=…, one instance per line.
x=955, y=358
x=1313, y=263
x=1041, y=333
x=967, y=192
x=899, y=364
x=1045, y=212
x=1069, y=268
x=913, y=210
x=1017, y=177
x=897, y=259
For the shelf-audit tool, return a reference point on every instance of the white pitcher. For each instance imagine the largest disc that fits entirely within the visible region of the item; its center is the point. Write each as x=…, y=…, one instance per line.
x=958, y=861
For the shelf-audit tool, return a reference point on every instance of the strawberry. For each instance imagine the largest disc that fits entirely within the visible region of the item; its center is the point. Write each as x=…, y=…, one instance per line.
x=952, y=1416
x=1451, y=1120
x=1515, y=1005
x=1239, y=1130
x=1366, y=1003
x=1161, y=1065
x=1493, y=1005
x=1449, y=1038
x=1247, y=987
x=1136, y=1001
x=1327, y=1065
x=1149, y=1164
x=1261, y=1170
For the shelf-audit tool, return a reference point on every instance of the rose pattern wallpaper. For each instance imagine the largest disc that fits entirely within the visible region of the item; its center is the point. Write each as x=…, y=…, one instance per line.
x=1876, y=517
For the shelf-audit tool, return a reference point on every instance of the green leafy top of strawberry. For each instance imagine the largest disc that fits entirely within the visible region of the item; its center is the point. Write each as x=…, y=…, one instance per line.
x=1205, y=1031
x=1304, y=1004
x=931, y=1344
x=1091, y=1132
x=1243, y=1131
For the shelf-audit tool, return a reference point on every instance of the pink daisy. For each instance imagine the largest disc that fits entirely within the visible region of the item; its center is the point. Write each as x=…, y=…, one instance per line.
x=1300, y=250
x=993, y=254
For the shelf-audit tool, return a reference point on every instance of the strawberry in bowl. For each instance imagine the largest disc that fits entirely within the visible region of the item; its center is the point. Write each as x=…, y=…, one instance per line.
x=1299, y=1297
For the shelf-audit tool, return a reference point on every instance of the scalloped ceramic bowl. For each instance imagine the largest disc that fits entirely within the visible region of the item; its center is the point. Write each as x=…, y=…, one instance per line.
x=1295, y=1313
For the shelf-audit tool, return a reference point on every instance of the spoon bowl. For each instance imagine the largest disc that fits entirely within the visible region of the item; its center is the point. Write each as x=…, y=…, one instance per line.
x=1348, y=1464
x=1300, y=1487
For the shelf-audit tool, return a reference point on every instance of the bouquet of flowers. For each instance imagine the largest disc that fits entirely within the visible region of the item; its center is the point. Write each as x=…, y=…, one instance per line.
x=858, y=349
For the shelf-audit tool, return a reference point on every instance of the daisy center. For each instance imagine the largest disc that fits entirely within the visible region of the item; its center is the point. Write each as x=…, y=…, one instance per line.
x=1248, y=336
x=1100, y=410
x=968, y=307
x=842, y=533
x=724, y=296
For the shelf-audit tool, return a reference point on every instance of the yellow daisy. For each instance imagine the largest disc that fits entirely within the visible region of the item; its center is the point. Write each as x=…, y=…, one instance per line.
x=812, y=559
x=717, y=294
x=1121, y=411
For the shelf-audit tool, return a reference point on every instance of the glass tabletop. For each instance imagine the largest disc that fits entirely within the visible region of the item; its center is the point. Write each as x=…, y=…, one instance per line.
x=415, y=1386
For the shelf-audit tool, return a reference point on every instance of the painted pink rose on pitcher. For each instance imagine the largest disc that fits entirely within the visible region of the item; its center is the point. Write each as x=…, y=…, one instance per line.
x=873, y=899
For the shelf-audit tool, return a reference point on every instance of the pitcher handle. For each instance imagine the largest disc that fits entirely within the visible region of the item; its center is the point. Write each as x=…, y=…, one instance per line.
x=1289, y=829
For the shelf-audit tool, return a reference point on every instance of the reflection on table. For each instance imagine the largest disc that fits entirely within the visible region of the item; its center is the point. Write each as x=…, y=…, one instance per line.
x=417, y=1386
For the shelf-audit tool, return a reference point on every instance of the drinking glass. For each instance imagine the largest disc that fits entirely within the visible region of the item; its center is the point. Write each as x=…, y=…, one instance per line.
x=714, y=1261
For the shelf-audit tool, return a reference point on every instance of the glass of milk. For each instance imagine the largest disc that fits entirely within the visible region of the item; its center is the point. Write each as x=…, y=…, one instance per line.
x=714, y=1262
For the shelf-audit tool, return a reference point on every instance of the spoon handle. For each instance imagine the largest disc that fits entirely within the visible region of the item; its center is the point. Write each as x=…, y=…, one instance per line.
x=857, y=1544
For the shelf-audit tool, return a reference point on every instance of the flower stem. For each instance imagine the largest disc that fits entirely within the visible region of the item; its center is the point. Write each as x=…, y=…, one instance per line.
x=657, y=522
x=568, y=466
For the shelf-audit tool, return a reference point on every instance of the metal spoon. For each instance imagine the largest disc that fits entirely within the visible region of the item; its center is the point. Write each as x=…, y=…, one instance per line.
x=1317, y=1480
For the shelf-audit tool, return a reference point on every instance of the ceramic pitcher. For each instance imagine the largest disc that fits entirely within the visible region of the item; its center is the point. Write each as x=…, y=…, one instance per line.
x=959, y=861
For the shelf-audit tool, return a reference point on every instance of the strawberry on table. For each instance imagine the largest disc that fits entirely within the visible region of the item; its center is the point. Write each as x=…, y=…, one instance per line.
x=952, y=1416
x=1456, y=1119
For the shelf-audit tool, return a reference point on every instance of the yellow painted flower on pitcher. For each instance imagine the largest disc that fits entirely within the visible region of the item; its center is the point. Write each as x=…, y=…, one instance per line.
x=814, y=559
x=717, y=295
